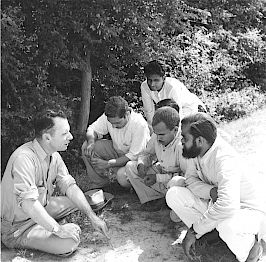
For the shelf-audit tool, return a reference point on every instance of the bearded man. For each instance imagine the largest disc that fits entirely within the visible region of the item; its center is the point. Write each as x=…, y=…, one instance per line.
x=218, y=193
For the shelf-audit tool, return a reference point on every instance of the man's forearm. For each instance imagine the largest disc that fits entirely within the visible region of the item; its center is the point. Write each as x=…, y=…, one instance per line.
x=38, y=214
x=75, y=194
x=121, y=161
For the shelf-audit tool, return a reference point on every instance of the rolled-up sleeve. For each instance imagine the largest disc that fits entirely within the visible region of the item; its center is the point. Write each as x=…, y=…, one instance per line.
x=23, y=172
x=63, y=179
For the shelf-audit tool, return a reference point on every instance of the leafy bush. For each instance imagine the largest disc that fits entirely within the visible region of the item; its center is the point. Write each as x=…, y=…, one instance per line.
x=230, y=105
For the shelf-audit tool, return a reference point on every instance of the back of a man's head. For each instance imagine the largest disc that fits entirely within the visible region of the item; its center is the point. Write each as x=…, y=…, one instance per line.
x=116, y=106
x=201, y=124
x=168, y=115
x=167, y=102
x=44, y=121
x=154, y=68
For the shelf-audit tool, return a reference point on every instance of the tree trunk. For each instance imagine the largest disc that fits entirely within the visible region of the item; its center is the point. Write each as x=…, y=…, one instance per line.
x=85, y=95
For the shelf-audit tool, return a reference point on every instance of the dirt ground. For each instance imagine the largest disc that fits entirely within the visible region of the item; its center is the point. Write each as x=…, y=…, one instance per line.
x=151, y=236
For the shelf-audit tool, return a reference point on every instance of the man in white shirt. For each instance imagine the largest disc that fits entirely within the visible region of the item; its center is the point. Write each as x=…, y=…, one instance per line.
x=218, y=193
x=160, y=163
x=157, y=87
x=105, y=160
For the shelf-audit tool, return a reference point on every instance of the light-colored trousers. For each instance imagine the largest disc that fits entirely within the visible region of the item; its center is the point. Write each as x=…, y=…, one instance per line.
x=103, y=149
x=145, y=193
x=30, y=235
x=238, y=231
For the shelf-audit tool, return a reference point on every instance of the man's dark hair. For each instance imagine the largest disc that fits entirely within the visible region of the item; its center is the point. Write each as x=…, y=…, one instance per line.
x=168, y=115
x=45, y=121
x=154, y=68
x=116, y=107
x=201, y=124
x=167, y=102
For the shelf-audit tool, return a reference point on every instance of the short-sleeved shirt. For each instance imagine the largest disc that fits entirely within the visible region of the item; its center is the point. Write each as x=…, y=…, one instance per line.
x=172, y=89
x=130, y=139
x=31, y=174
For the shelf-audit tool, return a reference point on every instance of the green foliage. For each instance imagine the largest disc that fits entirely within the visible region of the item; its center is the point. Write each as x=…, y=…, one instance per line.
x=217, y=48
x=230, y=105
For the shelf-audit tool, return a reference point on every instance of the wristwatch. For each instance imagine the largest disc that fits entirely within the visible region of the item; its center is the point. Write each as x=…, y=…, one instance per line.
x=55, y=229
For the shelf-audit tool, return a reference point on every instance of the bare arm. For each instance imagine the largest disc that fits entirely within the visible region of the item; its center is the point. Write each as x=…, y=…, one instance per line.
x=88, y=145
x=39, y=215
x=75, y=194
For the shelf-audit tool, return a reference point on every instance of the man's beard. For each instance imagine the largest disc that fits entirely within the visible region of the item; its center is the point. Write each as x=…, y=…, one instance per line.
x=192, y=152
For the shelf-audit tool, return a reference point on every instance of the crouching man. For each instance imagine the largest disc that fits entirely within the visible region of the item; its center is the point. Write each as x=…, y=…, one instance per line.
x=161, y=163
x=218, y=193
x=105, y=160
x=29, y=212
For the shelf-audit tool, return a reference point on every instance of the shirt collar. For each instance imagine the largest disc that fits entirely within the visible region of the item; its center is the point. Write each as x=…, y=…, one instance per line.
x=208, y=154
x=173, y=141
x=39, y=150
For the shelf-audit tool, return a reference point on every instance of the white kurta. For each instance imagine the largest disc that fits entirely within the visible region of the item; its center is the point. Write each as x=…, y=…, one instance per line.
x=172, y=88
x=239, y=210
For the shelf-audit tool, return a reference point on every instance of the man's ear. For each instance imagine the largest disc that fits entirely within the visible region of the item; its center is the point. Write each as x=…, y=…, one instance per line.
x=176, y=128
x=127, y=114
x=46, y=137
x=200, y=141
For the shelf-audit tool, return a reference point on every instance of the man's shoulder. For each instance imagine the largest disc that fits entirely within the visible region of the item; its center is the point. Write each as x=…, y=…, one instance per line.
x=25, y=149
x=137, y=118
x=23, y=153
x=223, y=150
x=171, y=81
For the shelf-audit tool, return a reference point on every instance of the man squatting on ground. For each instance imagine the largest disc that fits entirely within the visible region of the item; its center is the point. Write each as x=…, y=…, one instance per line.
x=218, y=192
x=29, y=212
x=157, y=87
x=161, y=162
x=105, y=159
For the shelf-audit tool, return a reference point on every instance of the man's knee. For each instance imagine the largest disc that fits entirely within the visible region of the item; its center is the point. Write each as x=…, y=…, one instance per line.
x=173, y=196
x=131, y=169
x=122, y=177
x=100, y=146
x=67, y=247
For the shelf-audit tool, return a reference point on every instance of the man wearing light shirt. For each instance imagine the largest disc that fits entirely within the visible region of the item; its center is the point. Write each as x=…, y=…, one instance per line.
x=105, y=160
x=157, y=87
x=29, y=211
x=218, y=192
x=161, y=163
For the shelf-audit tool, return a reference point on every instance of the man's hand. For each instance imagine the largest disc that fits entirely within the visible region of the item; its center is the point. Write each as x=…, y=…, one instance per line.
x=214, y=194
x=142, y=170
x=150, y=179
x=100, y=225
x=99, y=163
x=189, y=243
x=69, y=230
x=87, y=148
